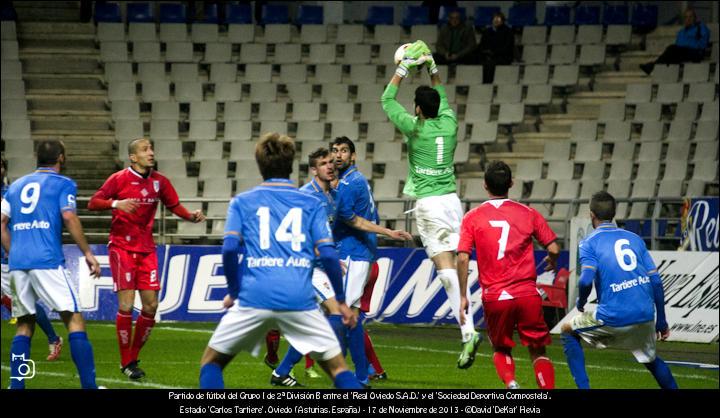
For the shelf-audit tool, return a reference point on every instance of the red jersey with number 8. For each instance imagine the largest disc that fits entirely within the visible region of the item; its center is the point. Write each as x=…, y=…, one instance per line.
x=133, y=231
x=501, y=231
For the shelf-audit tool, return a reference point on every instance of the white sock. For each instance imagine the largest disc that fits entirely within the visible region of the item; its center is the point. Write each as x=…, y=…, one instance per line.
x=449, y=279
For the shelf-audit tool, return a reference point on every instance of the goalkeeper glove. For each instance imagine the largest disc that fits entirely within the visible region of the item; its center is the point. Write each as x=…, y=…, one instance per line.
x=403, y=69
x=430, y=64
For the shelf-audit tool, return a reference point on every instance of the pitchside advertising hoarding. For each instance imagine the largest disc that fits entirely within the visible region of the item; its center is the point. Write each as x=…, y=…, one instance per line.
x=193, y=285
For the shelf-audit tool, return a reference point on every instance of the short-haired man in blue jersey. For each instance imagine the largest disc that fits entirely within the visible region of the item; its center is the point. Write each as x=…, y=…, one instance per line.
x=629, y=292
x=278, y=230
x=34, y=211
x=322, y=167
x=55, y=342
x=357, y=248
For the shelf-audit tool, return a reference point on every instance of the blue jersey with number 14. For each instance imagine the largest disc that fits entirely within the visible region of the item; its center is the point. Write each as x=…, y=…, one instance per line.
x=622, y=268
x=280, y=228
x=35, y=203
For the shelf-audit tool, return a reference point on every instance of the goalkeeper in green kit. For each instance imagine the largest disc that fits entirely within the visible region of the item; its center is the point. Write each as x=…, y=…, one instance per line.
x=431, y=139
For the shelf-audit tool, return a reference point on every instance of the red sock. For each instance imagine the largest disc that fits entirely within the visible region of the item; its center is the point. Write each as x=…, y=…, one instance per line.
x=7, y=303
x=505, y=367
x=272, y=341
x=544, y=373
x=123, y=326
x=143, y=327
x=309, y=362
x=372, y=356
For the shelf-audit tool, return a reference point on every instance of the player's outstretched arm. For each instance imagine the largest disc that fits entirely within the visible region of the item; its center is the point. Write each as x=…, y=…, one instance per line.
x=194, y=217
x=358, y=222
x=463, y=265
x=5, y=233
x=73, y=225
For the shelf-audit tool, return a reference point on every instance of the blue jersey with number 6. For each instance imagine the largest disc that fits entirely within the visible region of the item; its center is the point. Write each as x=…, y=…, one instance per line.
x=622, y=266
x=280, y=227
x=35, y=203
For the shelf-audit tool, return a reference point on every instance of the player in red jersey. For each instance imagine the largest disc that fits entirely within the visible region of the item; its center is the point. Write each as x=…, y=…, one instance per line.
x=502, y=232
x=133, y=195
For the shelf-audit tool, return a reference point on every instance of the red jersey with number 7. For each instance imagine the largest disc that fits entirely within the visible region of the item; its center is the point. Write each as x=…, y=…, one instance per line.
x=502, y=232
x=133, y=231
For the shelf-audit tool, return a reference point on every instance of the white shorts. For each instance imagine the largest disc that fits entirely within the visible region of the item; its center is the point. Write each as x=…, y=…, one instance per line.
x=5, y=280
x=355, y=280
x=244, y=329
x=321, y=284
x=640, y=338
x=54, y=287
x=438, y=222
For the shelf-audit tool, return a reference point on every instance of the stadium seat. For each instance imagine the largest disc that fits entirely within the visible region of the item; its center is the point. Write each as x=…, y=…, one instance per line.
x=670, y=188
x=562, y=54
x=310, y=15
x=277, y=34
x=557, y=15
x=561, y=170
x=217, y=52
x=257, y=73
x=109, y=52
x=306, y=111
x=165, y=110
x=583, y=131
x=127, y=129
x=705, y=170
x=10, y=50
x=299, y=92
x=541, y=189
x=665, y=74
x=615, y=15
x=346, y=128
x=696, y=72
x=622, y=151
x=350, y=34
x=275, y=14
x=507, y=74
x=679, y=131
x=183, y=72
x=253, y=53
x=416, y=15
x=146, y=51
x=675, y=170
x=203, y=111
x=334, y=93
x=565, y=75
x=313, y=34
x=380, y=131
x=468, y=75
x=617, y=131
x=164, y=130
x=647, y=112
x=644, y=16
x=155, y=91
x=535, y=74
x=356, y=54
x=638, y=93
x=380, y=15
x=618, y=34
x=529, y=170
x=652, y=131
x=701, y=93
x=13, y=89
x=140, y=12
x=594, y=171
x=340, y=112
x=590, y=34
x=427, y=32
x=709, y=111
x=125, y=110
x=619, y=188
x=107, y=12
x=272, y=111
x=310, y=130
x=587, y=15
x=217, y=188
x=363, y=74
x=120, y=90
x=223, y=73
x=611, y=112
x=648, y=170
x=650, y=151
x=186, y=92
x=481, y=93
x=179, y=52
x=114, y=71
x=508, y=93
x=534, y=35
x=522, y=15
x=210, y=151
x=538, y=94
x=203, y=33
x=588, y=151
x=322, y=54
x=241, y=34
x=240, y=13
x=110, y=31
x=287, y=54
x=686, y=111
x=236, y=130
x=706, y=131
x=511, y=113
x=477, y=112
x=484, y=15
x=562, y=35
x=263, y=92
x=592, y=55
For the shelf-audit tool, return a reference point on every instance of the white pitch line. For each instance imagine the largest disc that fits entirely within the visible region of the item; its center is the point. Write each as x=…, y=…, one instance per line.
x=103, y=379
x=433, y=350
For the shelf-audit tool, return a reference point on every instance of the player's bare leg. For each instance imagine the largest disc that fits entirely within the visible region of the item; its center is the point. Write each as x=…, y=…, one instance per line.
x=446, y=267
x=544, y=370
x=212, y=364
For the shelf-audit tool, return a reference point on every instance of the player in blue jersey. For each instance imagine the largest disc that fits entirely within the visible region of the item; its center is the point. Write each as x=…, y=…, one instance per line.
x=278, y=230
x=322, y=167
x=34, y=211
x=55, y=342
x=629, y=292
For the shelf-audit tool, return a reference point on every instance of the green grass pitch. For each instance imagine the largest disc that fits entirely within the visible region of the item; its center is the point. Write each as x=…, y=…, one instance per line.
x=414, y=358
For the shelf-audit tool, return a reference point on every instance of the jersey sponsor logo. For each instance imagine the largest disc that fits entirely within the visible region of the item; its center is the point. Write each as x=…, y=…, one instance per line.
x=144, y=192
x=24, y=226
x=628, y=284
x=256, y=262
x=434, y=171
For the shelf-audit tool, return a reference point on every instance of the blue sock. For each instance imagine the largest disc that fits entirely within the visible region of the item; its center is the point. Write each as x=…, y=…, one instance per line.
x=43, y=321
x=662, y=373
x=371, y=369
x=346, y=380
x=82, y=355
x=339, y=328
x=576, y=360
x=19, y=352
x=357, y=351
x=211, y=377
x=288, y=362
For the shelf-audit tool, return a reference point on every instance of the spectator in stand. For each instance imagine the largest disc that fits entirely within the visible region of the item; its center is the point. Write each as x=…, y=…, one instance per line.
x=434, y=7
x=455, y=42
x=497, y=47
x=690, y=44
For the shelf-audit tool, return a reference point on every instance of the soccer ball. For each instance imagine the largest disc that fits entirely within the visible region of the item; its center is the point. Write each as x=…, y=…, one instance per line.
x=400, y=53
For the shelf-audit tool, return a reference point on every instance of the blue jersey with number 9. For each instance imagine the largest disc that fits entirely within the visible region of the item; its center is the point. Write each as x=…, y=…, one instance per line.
x=35, y=203
x=280, y=227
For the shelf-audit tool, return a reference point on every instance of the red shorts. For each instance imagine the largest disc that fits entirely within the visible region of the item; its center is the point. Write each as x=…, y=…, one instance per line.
x=133, y=271
x=526, y=312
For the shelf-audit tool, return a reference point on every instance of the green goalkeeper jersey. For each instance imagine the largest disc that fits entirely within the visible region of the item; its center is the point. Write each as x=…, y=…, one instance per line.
x=431, y=145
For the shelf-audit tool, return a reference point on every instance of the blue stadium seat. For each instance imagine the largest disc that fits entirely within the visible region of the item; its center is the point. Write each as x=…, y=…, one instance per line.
x=211, y=14
x=380, y=15
x=445, y=12
x=644, y=16
x=310, y=15
x=646, y=229
x=557, y=15
x=238, y=13
x=172, y=13
x=615, y=15
x=662, y=225
x=484, y=16
x=275, y=14
x=107, y=12
x=632, y=226
x=7, y=11
x=140, y=12
x=416, y=15
x=587, y=15
x=522, y=15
